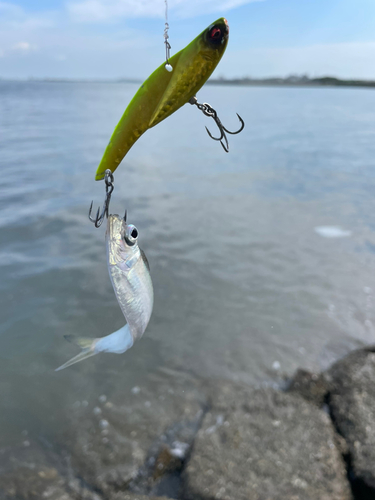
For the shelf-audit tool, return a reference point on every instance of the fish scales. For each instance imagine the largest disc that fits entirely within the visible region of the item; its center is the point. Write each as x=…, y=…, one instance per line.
x=129, y=272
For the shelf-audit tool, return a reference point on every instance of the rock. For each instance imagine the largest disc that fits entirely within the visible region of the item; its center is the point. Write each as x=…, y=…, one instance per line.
x=33, y=473
x=133, y=496
x=352, y=405
x=263, y=444
x=166, y=461
x=127, y=443
x=313, y=387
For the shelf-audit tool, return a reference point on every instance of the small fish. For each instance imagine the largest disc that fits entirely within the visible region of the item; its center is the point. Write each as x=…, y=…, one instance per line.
x=130, y=275
x=164, y=92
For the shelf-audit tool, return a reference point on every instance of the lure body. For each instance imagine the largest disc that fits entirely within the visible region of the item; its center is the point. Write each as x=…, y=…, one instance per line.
x=129, y=272
x=164, y=92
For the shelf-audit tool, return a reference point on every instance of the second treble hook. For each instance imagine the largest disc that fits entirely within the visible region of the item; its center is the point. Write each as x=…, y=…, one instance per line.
x=210, y=111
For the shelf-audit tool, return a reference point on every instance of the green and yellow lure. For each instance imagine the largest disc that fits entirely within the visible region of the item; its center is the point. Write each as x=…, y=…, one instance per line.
x=164, y=92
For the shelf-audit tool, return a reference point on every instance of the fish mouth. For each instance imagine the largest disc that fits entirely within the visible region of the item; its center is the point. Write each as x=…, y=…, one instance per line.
x=115, y=227
x=115, y=244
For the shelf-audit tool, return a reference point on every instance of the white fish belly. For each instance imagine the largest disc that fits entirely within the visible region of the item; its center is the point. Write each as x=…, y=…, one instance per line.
x=134, y=293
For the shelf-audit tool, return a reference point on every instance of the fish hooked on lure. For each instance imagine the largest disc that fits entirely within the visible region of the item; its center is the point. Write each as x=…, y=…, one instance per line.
x=164, y=92
x=130, y=276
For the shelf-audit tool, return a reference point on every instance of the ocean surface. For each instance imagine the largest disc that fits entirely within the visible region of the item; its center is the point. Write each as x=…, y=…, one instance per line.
x=262, y=260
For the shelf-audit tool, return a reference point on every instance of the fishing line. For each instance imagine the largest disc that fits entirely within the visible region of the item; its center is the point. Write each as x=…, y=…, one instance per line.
x=168, y=67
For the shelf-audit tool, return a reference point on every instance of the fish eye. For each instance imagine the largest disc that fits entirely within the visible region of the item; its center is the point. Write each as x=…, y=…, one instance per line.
x=131, y=234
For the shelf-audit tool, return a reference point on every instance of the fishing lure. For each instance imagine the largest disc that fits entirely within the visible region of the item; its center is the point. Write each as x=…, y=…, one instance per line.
x=165, y=91
x=130, y=276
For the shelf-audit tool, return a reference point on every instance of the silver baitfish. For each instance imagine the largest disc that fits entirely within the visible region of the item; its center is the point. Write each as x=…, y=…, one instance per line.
x=129, y=272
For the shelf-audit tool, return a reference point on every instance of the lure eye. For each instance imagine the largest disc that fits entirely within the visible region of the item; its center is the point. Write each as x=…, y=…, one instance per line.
x=215, y=35
x=131, y=235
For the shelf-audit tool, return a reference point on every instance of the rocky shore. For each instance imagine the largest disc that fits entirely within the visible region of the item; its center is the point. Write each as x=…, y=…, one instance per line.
x=314, y=439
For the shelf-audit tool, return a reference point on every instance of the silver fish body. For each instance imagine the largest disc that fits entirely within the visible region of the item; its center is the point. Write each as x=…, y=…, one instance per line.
x=129, y=272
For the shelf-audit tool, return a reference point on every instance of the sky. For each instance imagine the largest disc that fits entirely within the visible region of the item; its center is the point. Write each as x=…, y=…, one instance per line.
x=106, y=39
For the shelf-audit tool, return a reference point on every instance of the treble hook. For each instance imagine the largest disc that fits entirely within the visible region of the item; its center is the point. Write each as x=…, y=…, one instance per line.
x=109, y=187
x=209, y=111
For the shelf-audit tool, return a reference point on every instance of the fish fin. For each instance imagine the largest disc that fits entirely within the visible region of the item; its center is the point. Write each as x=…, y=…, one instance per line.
x=83, y=342
x=86, y=353
x=88, y=349
x=143, y=255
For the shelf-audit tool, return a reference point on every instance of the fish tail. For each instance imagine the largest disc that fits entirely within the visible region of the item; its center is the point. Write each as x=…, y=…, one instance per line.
x=83, y=342
x=88, y=349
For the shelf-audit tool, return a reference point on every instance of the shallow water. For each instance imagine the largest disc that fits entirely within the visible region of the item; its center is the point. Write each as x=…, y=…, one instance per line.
x=245, y=286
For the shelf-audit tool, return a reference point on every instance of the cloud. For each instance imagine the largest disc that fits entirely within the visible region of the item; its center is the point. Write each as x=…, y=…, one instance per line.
x=48, y=43
x=21, y=32
x=14, y=17
x=111, y=10
x=23, y=47
x=10, y=11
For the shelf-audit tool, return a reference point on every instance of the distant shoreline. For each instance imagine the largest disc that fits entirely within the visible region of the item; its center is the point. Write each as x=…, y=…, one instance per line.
x=294, y=81
x=290, y=81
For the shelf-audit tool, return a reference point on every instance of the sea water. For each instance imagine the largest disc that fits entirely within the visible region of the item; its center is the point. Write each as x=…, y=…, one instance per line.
x=247, y=287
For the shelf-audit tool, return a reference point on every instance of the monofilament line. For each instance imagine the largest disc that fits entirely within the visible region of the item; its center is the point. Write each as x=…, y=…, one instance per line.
x=168, y=67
